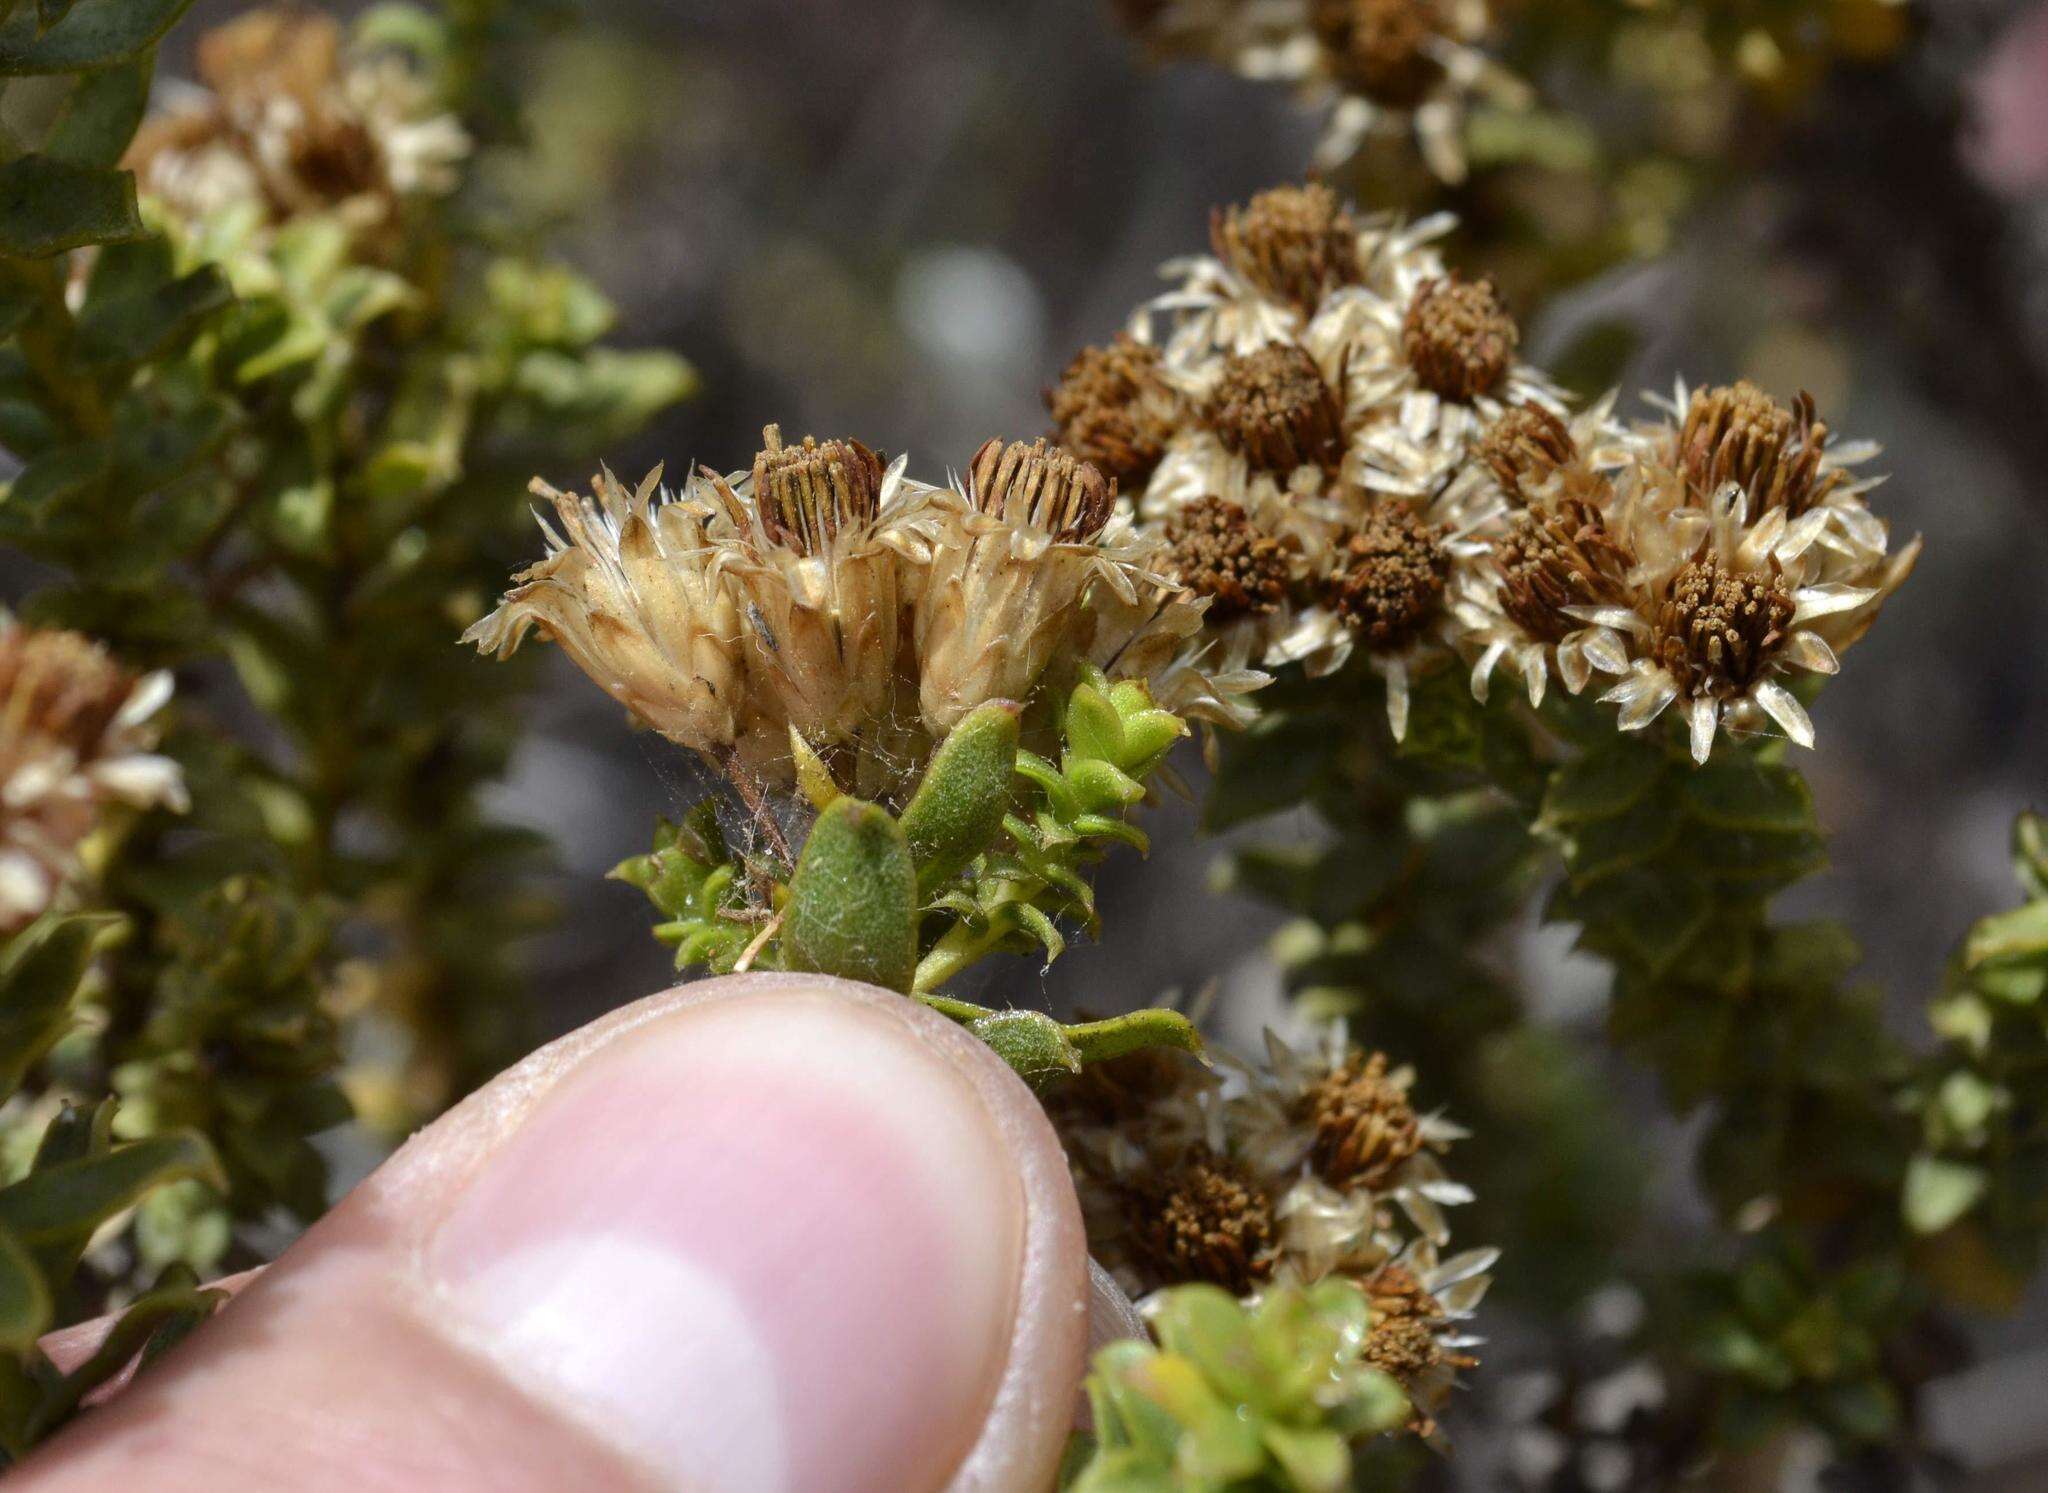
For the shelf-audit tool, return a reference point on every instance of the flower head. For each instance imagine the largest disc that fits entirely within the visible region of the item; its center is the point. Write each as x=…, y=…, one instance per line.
x=76, y=732
x=1114, y=409
x=289, y=123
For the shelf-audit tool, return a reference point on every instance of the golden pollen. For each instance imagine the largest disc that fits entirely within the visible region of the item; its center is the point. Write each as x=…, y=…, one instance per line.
x=1382, y=47
x=1294, y=244
x=1203, y=1221
x=807, y=494
x=1113, y=409
x=1365, y=1127
x=57, y=689
x=1524, y=448
x=1389, y=576
x=1716, y=629
x=1458, y=337
x=1043, y=486
x=1273, y=408
x=1560, y=554
x=1216, y=552
x=1739, y=434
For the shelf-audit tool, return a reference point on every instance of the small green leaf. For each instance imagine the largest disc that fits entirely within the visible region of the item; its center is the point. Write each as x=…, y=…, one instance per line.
x=958, y=807
x=1735, y=791
x=1097, y=1041
x=25, y=1306
x=1601, y=784
x=95, y=34
x=135, y=329
x=1094, y=729
x=40, y=973
x=1031, y=1042
x=48, y=206
x=1939, y=1191
x=100, y=115
x=853, y=901
x=61, y=1205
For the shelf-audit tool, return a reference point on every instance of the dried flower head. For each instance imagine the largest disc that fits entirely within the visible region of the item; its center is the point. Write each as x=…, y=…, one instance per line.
x=1293, y=244
x=809, y=494
x=1273, y=408
x=1458, y=337
x=633, y=591
x=1526, y=447
x=1775, y=454
x=1382, y=48
x=1413, y=1338
x=1203, y=1220
x=76, y=734
x=1365, y=1128
x=1041, y=487
x=1389, y=577
x=1215, y=551
x=291, y=124
x=1716, y=629
x=1114, y=408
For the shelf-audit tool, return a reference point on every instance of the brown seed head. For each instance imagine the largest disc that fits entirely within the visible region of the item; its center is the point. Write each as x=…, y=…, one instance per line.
x=1294, y=244
x=807, y=494
x=1272, y=407
x=1217, y=553
x=1365, y=1127
x=1458, y=337
x=1389, y=576
x=1524, y=448
x=1716, y=628
x=1044, y=486
x=1559, y=554
x=1124, y=1090
x=1381, y=47
x=57, y=690
x=1738, y=433
x=1112, y=408
x=1403, y=1339
x=1203, y=1221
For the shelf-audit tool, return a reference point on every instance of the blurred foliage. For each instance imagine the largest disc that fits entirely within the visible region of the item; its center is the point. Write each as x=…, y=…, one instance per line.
x=285, y=457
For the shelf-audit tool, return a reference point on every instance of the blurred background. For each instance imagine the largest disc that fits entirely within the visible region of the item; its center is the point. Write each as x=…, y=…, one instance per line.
x=897, y=220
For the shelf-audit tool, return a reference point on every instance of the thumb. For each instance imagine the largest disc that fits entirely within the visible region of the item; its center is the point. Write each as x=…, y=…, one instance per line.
x=760, y=1233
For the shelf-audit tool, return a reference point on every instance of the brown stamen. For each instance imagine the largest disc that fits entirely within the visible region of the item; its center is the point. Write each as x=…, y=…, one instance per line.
x=807, y=494
x=1365, y=1127
x=1203, y=1221
x=1113, y=409
x=1739, y=434
x=1293, y=243
x=1389, y=576
x=1716, y=628
x=1216, y=552
x=1381, y=47
x=1272, y=407
x=1558, y=555
x=1458, y=337
x=1524, y=448
x=1042, y=485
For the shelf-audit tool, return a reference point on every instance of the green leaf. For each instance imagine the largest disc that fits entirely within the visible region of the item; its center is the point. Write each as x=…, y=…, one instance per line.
x=1097, y=1041
x=135, y=329
x=61, y=1205
x=1031, y=1042
x=958, y=807
x=1601, y=784
x=853, y=901
x=96, y=34
x=101, y=114
x=49, y=205
x=1737, y=792
x=39, y=978
x=25, y=1306
x=1939, y=1191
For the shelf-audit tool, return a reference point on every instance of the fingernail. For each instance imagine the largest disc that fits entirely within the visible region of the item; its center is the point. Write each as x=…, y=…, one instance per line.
x=769, y=1242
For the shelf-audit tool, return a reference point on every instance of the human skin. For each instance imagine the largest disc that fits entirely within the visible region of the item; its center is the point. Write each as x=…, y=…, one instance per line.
x=763, y=1232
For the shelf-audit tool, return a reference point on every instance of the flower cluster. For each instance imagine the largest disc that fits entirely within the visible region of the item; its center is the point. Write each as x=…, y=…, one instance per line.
x=1377, y=67
x=1333, y=435
x=287, y=123
x=827, y=595
x=1313, y=1165
x=76, y=734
